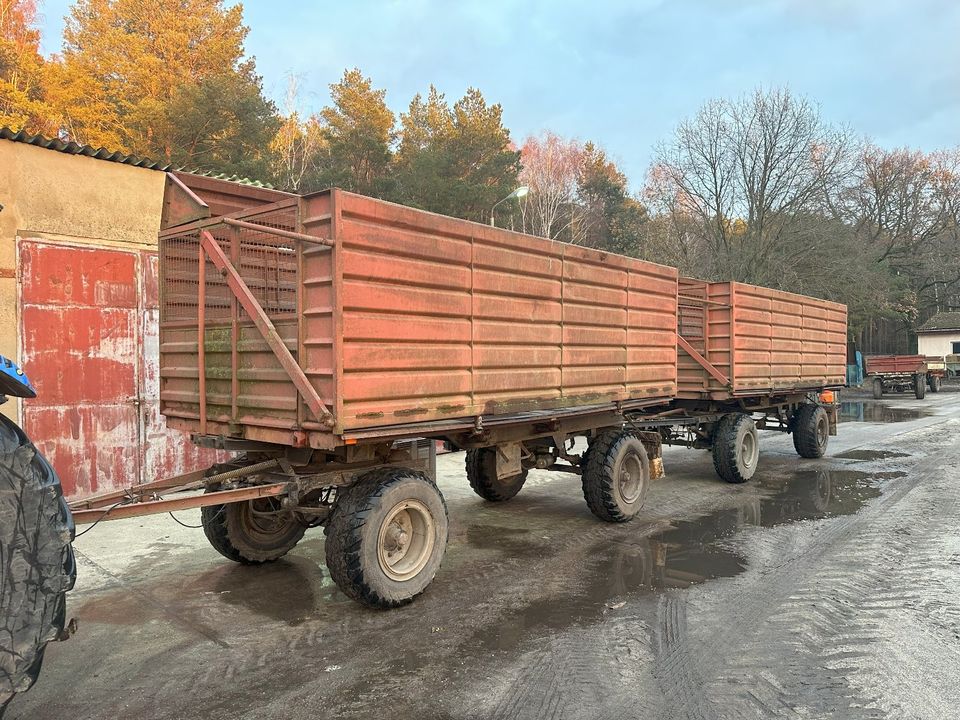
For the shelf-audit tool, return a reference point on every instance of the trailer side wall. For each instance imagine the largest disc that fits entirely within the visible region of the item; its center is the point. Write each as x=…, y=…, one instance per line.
x=444, y=318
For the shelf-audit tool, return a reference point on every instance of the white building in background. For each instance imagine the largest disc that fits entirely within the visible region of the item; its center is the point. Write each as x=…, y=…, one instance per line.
x=940, y=335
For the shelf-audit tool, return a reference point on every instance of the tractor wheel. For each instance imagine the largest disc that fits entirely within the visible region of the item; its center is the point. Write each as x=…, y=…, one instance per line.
x=251, y=532
x=386, y=537
x=736, y=448
x=877, y=388
x=616, y=476
x=37, y=565
x=935, y=383
x=811, y=431
x=482, y=474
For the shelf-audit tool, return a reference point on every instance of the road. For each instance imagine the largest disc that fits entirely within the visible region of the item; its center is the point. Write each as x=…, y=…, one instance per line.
x=823, y=588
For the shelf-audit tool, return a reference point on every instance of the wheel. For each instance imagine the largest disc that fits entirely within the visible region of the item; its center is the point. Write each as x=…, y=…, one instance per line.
x=251, y=532
x=935, y=383
x=37, y=565
x=736, y=448
x=482, y=474
x=920, y=386
x=386, y=537
x=877, y=388
x=615, y=477
x=811, y=431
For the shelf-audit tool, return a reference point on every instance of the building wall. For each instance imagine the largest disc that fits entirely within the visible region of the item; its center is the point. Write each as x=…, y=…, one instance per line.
x=70, y=199
x=937, y=343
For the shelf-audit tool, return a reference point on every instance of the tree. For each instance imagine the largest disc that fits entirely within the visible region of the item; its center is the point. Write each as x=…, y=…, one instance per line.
x=221, y=123
x=613, y=220
x=21, y=68
x=455, y=160
x=131, y=67
x=358, y=132
x=552, y=168
x=749, y=180
x=297, y=146
x=905, y=209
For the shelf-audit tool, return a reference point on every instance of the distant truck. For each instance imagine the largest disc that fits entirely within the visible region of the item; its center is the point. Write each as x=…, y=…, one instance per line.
x=903, y=373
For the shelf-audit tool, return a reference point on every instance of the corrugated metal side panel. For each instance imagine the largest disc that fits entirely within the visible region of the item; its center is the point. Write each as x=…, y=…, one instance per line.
x=595, y=289
x=406, y=315
x=517, y=321
x=444, y=318
x=895, y=363
x=783, y=340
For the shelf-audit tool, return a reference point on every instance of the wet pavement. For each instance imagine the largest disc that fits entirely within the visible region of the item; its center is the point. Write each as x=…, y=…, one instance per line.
x=820, y=589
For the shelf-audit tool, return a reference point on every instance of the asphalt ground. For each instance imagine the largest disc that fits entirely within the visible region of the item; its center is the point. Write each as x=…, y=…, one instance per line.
x=822, y=588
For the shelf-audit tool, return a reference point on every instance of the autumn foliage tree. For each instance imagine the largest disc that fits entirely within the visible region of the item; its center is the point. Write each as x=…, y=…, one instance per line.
x=164, y=78
x=21, y=68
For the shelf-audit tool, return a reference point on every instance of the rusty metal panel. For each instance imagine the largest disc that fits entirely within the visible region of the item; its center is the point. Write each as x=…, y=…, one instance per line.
x=79, y=345
x=444, y=318
x=406, y=314
x=758, y=339
x=652, y=316
x=163, y=452
x=897, y=364
x=245, y=390
x=783, y=340
x=516, y=318
x=410, y=317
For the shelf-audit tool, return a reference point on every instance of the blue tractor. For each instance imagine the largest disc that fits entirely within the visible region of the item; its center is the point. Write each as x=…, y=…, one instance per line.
x=37, y=564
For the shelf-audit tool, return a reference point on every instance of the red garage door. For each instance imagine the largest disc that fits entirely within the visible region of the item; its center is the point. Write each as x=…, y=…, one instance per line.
x=89, y=329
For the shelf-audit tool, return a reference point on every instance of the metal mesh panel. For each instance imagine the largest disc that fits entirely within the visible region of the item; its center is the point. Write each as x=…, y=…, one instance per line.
x=266, y=262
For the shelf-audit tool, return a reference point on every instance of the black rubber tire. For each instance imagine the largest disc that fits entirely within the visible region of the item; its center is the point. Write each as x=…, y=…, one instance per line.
x=232, y=531
x=601, y=476
x=36, y=560
x=877, y=388
x=935, y=383
x=920, y=386
x=728, y=442
x=353, y=536
x=811, y=431
x=482, y=473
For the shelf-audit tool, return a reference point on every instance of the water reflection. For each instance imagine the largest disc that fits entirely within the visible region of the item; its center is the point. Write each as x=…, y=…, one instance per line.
x=690, y=552
x=861, y=411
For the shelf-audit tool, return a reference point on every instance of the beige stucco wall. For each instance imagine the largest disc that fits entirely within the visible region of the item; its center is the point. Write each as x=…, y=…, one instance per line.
x=71, y=199
x=937, y=343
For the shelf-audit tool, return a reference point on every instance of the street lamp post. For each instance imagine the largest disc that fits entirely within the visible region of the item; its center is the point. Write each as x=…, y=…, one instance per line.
x=518, y=193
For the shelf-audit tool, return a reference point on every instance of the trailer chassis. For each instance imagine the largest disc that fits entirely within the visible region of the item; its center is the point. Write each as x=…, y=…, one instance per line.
x=257, y=506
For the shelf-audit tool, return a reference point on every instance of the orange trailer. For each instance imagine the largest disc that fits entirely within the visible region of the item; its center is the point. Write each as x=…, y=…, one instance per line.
x=330, y=339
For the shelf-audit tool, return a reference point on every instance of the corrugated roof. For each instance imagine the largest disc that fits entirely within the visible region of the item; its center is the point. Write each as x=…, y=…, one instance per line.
x=942, y=321
x=72, y=148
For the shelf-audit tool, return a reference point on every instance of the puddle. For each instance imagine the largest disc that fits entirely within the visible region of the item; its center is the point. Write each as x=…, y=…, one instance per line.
x=871, y=455
x=688, y=553
x=860, y=411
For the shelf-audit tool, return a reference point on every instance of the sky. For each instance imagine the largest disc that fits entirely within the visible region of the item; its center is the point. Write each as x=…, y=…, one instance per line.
x=619, y=73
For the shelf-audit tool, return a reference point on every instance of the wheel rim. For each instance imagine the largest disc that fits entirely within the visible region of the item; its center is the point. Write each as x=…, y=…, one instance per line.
x=630, y=479
x=822, y=431
x=406, y=540
x=748, y=447
x=263, y=521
